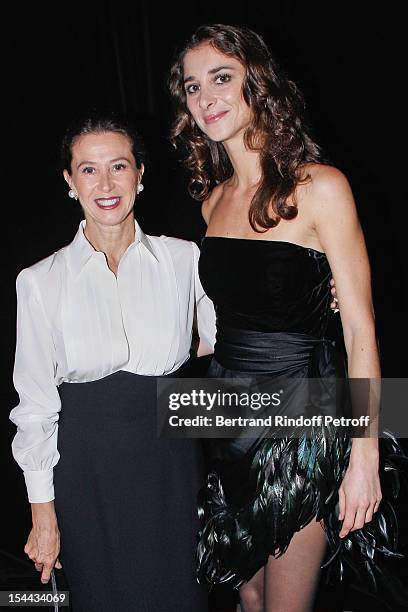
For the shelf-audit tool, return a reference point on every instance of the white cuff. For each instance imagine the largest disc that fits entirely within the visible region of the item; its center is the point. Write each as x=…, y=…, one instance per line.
x=40, y=486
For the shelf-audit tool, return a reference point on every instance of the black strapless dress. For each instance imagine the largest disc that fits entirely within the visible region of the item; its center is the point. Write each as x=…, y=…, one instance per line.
x=272, y=301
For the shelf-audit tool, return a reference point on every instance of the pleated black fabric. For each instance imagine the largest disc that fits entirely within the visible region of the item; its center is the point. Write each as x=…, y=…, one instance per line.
x=125, y=501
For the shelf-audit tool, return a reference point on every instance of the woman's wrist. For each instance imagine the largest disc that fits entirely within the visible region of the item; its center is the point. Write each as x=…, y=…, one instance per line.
x=364, y=450
x=43, y=513
x=365, y=443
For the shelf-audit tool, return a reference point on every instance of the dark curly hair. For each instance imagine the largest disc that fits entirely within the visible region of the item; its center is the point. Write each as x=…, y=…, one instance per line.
x=98, y=123
x=277, y=108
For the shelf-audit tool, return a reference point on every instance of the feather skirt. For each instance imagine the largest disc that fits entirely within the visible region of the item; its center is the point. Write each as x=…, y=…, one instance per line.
x=251, y=508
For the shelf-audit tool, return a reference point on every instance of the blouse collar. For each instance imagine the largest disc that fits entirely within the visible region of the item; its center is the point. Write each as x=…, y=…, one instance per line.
x=81, y=250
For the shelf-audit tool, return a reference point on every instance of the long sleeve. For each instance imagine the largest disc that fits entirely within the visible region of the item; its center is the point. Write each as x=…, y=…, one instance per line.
x=36, y=416
x=204, y=311
x=77, y=323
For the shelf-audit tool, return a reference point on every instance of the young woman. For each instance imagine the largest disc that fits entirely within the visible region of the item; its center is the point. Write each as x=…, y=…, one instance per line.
x=280, y=222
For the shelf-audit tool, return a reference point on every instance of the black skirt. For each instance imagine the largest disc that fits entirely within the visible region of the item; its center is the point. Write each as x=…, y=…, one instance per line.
x=125, y=501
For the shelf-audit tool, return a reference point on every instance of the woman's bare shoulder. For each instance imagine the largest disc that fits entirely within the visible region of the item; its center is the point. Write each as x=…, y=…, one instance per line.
x=324, y=180
x=325, y=189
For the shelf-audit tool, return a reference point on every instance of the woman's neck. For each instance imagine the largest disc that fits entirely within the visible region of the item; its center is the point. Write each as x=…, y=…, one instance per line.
x=246, y=164
x=112, y=240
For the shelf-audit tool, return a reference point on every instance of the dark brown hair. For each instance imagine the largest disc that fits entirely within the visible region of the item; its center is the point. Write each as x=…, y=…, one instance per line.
x=277, y=109
x=99, y=123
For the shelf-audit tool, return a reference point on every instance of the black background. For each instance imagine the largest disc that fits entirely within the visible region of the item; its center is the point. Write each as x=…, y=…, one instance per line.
x=63, y=58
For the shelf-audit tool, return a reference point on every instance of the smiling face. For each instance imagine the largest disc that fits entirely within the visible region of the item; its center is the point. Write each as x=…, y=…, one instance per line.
x=213, y=84
x=105, y=176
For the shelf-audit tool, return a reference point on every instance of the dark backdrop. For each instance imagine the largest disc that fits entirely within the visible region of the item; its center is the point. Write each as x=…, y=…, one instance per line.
x=62, y=58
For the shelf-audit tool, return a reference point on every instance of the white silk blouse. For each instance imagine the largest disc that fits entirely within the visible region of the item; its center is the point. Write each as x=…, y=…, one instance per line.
x=78, y=322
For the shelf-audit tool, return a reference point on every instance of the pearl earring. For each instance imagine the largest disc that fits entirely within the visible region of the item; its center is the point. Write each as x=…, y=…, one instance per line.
x=140, y=188
x=72, y=194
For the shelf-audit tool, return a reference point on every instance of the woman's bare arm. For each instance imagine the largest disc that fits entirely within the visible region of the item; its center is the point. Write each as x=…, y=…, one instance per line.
x=341, y=237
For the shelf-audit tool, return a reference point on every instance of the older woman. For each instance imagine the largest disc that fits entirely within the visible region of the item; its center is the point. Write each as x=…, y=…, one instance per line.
x=98, y=321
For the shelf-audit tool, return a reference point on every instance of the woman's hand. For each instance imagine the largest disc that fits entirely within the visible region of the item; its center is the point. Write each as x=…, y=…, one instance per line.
x=360, y=492
x=334, y=304
x=43, y=543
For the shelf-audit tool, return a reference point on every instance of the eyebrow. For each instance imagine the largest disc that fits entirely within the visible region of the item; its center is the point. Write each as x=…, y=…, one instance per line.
x=212, y=71
x=111, y=161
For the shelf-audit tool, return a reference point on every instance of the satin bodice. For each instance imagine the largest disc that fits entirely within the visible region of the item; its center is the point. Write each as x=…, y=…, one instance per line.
x=269, y=286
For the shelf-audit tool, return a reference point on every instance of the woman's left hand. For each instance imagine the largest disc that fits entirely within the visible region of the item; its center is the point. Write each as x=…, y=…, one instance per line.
x=360, y=492
x=334, y=304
